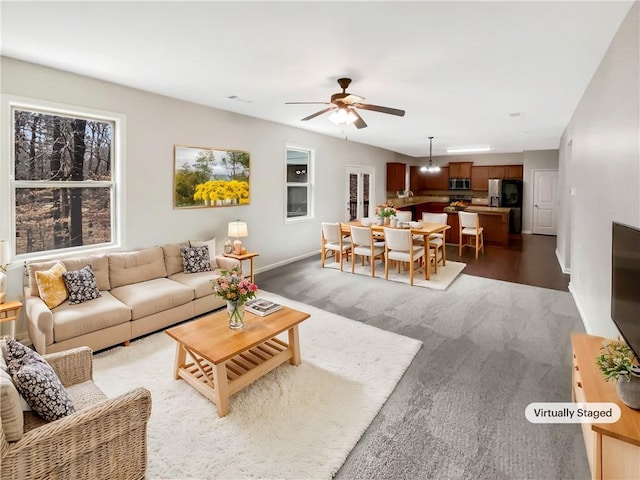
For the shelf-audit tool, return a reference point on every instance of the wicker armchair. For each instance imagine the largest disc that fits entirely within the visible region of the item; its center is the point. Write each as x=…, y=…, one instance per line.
x=104, y=439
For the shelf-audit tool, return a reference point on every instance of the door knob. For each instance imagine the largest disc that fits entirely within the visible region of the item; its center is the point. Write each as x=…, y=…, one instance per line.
x=536, y=206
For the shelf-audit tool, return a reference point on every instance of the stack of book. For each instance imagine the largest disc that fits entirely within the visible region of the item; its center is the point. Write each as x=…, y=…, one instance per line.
x=262, y=307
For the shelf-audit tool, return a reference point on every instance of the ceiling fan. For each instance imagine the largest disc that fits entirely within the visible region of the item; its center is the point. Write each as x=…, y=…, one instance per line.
x=343, y=106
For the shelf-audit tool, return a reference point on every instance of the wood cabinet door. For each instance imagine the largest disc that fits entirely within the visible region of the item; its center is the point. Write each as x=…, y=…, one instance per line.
x=396, y=176
x=417, y=179
x=441, y=179
x=497, y=171
x=460, y=169
x=513, y=171
x=480, y=178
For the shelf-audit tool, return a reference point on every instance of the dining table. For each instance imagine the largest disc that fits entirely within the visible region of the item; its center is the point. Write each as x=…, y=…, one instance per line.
x=426, y=230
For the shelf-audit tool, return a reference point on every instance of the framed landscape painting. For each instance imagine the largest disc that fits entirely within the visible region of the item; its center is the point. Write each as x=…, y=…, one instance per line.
x=207, y=177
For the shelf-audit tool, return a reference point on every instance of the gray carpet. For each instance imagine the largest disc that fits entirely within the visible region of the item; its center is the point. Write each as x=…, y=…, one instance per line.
x=490, y=348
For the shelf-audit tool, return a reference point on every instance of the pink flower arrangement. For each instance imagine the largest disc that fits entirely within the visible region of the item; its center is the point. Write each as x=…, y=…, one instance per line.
x=233, y=286
x=385, y=210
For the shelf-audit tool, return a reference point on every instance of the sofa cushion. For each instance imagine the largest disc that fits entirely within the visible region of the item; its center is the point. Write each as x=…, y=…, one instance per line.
x=51, y=287
x=37, y=382
x=172, y=257
x=200, y=283
x=81, y=285
x=126, y=268
x=152, y=296
x=195, y=259
x=99, y=264
x=211, y=245
x=10, y=409
x=71, y=321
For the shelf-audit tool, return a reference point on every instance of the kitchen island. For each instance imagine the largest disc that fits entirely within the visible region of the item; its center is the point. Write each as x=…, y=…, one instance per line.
x=493, y=220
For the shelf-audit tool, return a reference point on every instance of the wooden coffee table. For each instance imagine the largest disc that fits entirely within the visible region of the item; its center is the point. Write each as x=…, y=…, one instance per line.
x=222, y=361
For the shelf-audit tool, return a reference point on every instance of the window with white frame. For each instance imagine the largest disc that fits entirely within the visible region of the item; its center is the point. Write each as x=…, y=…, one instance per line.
x=63, y=186
x=299, y=172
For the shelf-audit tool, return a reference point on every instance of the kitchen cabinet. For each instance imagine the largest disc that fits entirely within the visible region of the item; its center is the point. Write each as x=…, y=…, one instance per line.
x=505, y=171
x=396, y=176
x=417, y=179
x=460, y=169
x=513, y=171
x=497, y=171
x=480, y=178
x=438, y=180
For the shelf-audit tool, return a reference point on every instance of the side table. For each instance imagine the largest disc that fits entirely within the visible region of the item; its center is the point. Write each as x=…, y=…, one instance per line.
x=9, y=311
x=242, y=257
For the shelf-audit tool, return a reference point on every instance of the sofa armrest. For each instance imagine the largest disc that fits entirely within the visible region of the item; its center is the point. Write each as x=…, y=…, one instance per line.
x=101, y=441
x=227, y=263
x=72, y=366
x=39, y=322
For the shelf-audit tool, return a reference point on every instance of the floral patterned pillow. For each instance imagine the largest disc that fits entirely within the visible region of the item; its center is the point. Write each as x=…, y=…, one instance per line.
x=81, y=284
x=37, y=382
x=195, y=259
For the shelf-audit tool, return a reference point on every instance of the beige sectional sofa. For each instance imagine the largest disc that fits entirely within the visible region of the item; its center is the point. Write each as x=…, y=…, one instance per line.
x=140, y=292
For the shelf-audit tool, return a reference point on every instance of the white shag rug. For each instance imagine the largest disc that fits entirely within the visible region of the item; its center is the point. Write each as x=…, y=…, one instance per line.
x=438, y=281
x=295, y=422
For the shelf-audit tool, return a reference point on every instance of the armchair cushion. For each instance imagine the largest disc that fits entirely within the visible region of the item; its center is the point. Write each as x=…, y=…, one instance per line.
x=37, y=382
x=10, y=409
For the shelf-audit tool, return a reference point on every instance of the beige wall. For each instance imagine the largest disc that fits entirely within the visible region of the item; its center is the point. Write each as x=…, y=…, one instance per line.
x=155, y=123
x=600, y=174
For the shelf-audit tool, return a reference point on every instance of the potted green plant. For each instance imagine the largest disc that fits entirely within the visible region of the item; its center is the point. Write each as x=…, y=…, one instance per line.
x=617, y=362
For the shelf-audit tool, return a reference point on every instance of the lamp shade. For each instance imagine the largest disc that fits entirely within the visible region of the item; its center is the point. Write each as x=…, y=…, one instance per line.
x=4, y=252
x=237, y=229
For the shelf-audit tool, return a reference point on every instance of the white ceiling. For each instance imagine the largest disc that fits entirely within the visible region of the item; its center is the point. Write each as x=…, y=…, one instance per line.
x=459, y=69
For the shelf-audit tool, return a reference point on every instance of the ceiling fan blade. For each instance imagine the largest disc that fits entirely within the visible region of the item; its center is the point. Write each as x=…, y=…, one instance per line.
x=314, y=115
x=359, y=123
x=377, y=108
x=307, y=103
x=351, y=99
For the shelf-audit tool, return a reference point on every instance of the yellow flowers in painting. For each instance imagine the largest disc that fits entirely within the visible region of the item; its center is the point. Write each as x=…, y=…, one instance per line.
x=215, y=191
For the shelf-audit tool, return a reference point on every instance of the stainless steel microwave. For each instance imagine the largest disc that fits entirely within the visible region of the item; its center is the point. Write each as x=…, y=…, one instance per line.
x=459, y=184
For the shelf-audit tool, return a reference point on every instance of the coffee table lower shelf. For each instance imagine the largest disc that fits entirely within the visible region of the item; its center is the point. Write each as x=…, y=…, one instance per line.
x=218, y=382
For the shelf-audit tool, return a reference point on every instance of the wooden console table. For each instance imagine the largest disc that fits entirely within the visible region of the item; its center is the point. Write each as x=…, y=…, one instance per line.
x=9, y=312
x=613, y=449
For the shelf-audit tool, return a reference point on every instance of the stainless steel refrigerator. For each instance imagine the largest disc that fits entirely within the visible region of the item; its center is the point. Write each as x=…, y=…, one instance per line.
x=495, y=192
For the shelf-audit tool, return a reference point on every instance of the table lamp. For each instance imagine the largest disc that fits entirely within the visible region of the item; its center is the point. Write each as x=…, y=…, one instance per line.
x=237, y=229
x=4, y=260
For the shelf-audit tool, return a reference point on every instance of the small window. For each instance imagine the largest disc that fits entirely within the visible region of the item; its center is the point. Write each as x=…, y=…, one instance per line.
x=63, y=186
x=299, y=164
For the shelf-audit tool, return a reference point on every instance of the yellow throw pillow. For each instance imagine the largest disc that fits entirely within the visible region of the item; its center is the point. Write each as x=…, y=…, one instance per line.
x=51, y=285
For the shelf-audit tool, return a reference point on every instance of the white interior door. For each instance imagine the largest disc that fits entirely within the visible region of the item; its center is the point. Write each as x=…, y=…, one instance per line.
x=360, y=189
x=545, y=192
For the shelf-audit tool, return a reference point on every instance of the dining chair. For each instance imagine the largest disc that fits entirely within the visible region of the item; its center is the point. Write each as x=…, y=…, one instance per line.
x=334, y=242
x=437, y=240
x=399, y=247
x=470, y=227
x=363, y=244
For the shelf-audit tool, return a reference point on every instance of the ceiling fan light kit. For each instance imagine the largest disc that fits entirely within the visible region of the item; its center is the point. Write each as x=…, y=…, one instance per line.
x=343, y=105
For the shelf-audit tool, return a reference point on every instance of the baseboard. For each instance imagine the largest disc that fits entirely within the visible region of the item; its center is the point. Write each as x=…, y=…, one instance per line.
x=286, y=262
x=526, y=232
x=561, y=262
x=581, y=312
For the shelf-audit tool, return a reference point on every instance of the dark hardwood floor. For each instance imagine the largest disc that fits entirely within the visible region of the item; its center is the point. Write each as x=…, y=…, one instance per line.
x=529, y=259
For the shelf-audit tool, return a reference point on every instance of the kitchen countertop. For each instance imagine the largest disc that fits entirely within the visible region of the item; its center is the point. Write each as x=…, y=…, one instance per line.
x=409, y=201
x=481, y=209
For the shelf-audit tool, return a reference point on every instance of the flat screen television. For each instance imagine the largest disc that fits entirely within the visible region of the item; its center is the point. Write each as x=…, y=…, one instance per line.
x=625, y=283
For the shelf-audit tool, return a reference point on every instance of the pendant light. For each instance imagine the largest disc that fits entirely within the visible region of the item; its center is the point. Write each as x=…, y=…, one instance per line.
x=431, y=167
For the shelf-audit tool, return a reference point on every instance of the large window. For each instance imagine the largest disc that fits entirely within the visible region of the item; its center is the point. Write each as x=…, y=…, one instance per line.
x=63, y=186
x=299, y=167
